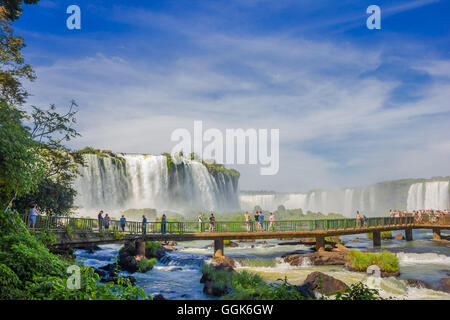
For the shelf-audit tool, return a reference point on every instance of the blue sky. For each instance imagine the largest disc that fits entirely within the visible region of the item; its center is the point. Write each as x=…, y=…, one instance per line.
x=354, y=106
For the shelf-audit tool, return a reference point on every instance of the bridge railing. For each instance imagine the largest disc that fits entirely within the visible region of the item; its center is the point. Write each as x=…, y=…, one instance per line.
x=55, y=223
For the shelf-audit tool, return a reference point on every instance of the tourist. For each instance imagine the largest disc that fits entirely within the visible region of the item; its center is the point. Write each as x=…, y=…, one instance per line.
x=123, y=222
x=107, y=219
x=212, y=220
x=358, y=219
x=33, y=214
x=257, y=216
x=365, y=220
x=247, y=221
x=100, y=220
x=144, y=225
x=260, y=221
x=200, y=222
x=163, y=224
x=271, y=220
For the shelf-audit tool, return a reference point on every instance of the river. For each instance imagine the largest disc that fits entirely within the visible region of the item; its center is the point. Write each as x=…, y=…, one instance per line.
x=179, y=276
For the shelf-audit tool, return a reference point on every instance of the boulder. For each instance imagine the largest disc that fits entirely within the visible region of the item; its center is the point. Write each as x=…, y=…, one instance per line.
x=91, y=248
x=321, y=283
x=232, y=244
x=341, y=248
x=444, y=285
x=159, y=296
x=318, y=258
x=127, y=262
x=415, y=283
x=399, y=236
x=223, y=263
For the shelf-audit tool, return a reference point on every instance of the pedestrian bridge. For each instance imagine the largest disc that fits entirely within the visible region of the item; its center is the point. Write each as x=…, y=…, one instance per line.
x=76, y=232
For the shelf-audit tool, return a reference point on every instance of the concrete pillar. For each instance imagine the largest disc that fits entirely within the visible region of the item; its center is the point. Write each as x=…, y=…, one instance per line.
x=376, y=236
x=218, y=248
x=408, y=234
x=140, y=248
x=320, y=242
x=436, y=234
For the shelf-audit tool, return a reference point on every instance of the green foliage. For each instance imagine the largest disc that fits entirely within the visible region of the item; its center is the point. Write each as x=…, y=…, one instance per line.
x=9, y=282
x=144, y=264
x=279, y=291
x=55, y=288
x=359, y=291
x=216, y=169
x=384, y=235
x=153, y=249
x=21, y=167
x=13, y=8
x=360, y=261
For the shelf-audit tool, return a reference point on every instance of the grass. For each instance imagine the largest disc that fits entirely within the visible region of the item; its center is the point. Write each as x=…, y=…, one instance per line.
x=146, y=264
x=384, y=235
x=360, y=261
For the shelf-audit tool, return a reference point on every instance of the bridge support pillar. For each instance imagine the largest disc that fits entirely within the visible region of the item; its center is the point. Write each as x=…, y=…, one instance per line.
x=408, y=234
x=376, y=236
x=436, y=234
x=218, y=248
x=140, y=248
x=320, y=242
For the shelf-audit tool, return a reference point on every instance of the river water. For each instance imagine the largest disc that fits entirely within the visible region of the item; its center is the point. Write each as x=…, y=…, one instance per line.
x=179, y=276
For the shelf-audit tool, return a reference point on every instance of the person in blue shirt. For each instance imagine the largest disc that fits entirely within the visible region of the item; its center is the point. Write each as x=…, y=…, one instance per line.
x=163, y=224
x=123, y=222
x=144, y=225
x=260, y=222
x=212, y=220
x=33, y=214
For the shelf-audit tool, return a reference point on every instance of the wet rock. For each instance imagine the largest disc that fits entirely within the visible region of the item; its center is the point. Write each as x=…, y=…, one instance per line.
x=232, y=244
x=127, y=262
x=340, y=248
x=211, y=288
x=321, y=283
x=318, y=258
x=159, y=297
x=399, y=236
x=415, y=283
x=169, y=243
x=444, y=285
x=169, y=248
x=223, y=263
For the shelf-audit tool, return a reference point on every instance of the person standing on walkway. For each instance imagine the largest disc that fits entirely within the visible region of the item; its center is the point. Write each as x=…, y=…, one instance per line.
x=358, y=219
x=365, y=220
x=144, y=225
x=100, y=220
x=200, y=221
x=271, y=220
x=107, y=219
x=260, y=221
x=163, y=224
x=123, y=222
x=33, y=215
x=212, y=221
x=247, y=221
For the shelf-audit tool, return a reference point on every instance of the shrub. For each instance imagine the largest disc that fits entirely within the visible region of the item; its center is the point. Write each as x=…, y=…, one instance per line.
x=360, y=261
x=359, y=291
x=146, y=264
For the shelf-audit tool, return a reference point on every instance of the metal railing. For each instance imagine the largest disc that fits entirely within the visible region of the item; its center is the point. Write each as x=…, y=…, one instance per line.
x=87, y=225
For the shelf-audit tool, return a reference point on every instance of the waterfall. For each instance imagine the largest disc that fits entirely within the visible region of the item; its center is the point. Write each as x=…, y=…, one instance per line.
x=428, y=195
x=371, y=200
x=144, y=181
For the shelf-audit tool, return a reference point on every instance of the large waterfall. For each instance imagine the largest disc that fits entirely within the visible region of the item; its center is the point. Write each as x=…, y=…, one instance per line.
x=124, y=181
x=429, y=195
x=372, y=200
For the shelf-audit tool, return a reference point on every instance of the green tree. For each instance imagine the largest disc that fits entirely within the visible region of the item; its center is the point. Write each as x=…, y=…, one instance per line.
x=21, y=167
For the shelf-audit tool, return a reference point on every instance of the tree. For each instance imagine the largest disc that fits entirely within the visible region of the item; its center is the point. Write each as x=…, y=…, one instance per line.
x=12, y=64
x=21, y=167
x=13, y=8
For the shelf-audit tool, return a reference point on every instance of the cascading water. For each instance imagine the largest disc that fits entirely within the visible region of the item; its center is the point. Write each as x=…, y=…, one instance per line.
x=428, y=195
x=128, y=181
x=372, y=200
